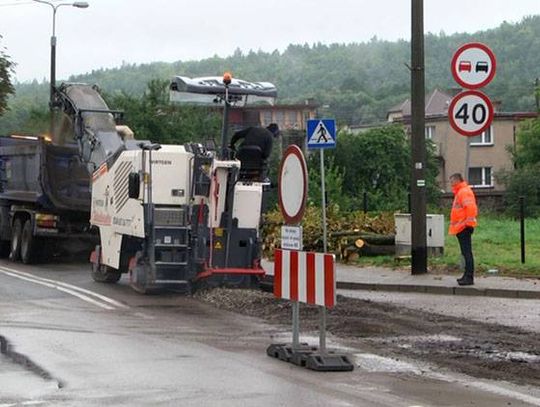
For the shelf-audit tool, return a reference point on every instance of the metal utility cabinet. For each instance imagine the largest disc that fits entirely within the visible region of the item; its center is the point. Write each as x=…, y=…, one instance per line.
x=435, y=234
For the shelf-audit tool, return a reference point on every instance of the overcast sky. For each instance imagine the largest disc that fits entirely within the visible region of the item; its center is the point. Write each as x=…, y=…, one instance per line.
x=112, y=31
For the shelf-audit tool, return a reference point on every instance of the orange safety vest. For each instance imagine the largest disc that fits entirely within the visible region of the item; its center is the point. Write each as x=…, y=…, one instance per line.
x=464, y=209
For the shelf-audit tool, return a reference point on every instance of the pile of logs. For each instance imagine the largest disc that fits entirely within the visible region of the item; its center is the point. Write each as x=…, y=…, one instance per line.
x=354, y=244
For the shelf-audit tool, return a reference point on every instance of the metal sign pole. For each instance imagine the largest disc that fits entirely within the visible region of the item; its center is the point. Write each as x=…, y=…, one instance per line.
x=322, y=310
x=467, y=158
x=295, y=325
x=296, y=313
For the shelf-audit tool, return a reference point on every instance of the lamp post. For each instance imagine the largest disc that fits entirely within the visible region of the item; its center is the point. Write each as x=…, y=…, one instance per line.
x=55, y=7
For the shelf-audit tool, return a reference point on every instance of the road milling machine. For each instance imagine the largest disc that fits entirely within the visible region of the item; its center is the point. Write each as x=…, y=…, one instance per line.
x=170, y=215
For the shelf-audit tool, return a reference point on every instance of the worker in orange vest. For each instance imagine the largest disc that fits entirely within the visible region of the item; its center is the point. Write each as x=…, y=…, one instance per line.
x=463, y=222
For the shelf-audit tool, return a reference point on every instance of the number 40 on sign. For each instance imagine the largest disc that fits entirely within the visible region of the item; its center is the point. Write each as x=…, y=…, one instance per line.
x=470, y=113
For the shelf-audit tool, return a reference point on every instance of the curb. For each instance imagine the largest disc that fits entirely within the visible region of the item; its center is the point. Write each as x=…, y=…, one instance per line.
x=434, y=289
x=268, y=282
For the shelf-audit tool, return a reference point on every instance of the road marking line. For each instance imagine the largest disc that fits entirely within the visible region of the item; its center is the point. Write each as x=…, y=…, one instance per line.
x=143, y=315
x=66, y=290
x=70, y=286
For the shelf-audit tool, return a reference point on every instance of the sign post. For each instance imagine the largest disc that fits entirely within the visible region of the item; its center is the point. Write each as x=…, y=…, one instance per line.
x=301, y=276
x=321, y=134
x=292, y=194
x=471, y=112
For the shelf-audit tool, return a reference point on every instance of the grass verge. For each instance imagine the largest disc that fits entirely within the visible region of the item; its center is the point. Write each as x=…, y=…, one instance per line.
x=496, y=245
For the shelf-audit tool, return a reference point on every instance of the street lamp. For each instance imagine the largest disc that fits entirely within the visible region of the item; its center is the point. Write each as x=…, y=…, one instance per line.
x=78, y=4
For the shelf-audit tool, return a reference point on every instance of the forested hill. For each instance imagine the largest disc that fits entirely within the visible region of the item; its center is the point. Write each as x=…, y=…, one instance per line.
x=357, y=81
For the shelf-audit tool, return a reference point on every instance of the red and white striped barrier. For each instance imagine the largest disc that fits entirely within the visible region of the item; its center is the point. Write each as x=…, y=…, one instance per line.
x=307, y=277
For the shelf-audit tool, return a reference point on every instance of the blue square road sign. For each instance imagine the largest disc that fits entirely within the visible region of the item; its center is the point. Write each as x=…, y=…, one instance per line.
x=321, y=133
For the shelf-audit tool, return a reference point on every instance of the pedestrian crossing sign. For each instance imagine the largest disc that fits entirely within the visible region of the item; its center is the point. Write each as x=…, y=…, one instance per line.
x=321, y=133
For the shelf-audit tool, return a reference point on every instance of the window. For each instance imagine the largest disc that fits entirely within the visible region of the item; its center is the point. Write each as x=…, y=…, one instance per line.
x=430, y=132
x=267, y=117
x=484, y=139
x=280, y=118
x=480, y=177
x=291, y=118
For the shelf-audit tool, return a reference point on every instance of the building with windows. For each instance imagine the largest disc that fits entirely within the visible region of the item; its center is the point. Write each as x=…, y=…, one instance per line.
x=488, y=152
x=287, y=116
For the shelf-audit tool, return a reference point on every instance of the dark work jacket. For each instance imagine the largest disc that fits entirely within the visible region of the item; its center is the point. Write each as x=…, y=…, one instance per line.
x=255, y=136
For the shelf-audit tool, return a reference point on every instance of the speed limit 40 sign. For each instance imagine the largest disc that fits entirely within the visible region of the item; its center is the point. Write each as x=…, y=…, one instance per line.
x=470, y=113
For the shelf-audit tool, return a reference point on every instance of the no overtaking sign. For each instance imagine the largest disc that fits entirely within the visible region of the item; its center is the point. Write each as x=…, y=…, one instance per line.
x=473, y=66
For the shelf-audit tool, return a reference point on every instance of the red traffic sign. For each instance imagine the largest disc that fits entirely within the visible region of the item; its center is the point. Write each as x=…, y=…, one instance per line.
x=293, y=184
x=474, y=65
x=470, y=113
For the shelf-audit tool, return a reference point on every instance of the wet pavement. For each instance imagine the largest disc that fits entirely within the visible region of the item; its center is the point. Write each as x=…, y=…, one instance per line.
x=107, y=345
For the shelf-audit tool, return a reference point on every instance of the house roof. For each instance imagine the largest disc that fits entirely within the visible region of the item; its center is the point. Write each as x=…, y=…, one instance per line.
x=437, y=103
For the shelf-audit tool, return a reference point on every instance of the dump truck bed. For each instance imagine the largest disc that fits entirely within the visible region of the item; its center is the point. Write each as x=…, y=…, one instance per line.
x=33, y=170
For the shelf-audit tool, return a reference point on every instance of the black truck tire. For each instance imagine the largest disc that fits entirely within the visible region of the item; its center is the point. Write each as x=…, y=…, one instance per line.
x=5, y=249
x=16, y=236
x=105, y=274
x=28, y=244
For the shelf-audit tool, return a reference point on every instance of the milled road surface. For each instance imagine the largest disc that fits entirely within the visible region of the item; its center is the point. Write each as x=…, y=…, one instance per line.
x=517, y=313
x=120, y=348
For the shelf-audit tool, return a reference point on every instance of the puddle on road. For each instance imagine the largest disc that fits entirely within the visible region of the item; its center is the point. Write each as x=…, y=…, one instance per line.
x=379, y=364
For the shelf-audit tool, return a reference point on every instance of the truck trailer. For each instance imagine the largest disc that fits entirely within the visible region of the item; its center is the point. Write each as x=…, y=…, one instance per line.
x=44, y=198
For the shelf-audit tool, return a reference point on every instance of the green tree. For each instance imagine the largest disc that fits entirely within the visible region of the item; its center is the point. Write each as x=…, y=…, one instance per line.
x=333, y=182
x=152, y=117
x=6, y=70
x=527, y=150
x=378, y=162
x=525, y=180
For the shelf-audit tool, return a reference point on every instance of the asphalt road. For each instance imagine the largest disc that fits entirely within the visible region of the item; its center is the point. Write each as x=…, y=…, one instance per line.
x=90, y=344
x=511, y=312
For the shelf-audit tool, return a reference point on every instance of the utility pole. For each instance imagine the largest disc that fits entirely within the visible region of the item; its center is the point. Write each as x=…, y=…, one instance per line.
x=418, y=142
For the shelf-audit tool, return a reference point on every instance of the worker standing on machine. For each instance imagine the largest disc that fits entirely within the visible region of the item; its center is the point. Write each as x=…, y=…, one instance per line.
x=255, y=149
x=257, y=136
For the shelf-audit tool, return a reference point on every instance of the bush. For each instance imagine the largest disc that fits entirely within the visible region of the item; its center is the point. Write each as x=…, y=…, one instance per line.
x=522, y=182
x=337, y=221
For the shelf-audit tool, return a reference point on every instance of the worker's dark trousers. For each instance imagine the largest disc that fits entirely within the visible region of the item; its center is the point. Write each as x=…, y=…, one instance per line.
x=465, y=243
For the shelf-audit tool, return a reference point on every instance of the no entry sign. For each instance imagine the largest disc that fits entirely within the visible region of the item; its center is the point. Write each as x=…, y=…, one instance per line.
x=474, y=65
x=470, y=113
x=293, y=183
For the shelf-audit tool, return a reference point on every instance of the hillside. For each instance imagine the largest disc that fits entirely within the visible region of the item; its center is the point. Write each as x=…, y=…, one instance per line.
x=358, y=82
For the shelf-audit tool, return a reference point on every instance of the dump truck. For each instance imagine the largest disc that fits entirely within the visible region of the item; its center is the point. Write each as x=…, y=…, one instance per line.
x=44, y=198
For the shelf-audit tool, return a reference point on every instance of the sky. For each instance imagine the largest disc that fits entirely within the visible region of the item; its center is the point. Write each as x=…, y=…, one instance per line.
x=112, y=32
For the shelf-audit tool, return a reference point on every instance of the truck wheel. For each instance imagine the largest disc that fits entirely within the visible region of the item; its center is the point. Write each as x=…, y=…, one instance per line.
x=5, y=249
x=28, y=244
x=16, y=236
x=105, y=274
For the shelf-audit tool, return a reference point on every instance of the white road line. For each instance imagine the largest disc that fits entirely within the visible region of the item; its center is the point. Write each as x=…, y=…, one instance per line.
x=54, y=286
x=70, y=286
